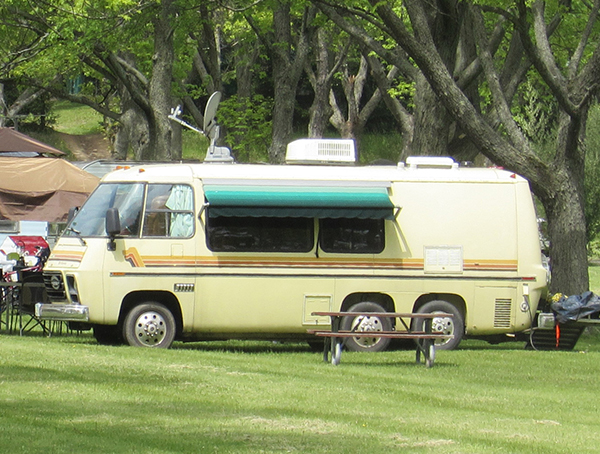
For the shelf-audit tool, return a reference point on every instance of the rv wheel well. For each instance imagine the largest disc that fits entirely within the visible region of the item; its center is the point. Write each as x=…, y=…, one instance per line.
x=167, y=299
x=451, y=298
x=382, y=299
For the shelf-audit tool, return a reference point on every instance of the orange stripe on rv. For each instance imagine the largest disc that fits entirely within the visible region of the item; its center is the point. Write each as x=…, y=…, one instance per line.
x=70, y=256
x=136, y=260
x=133, y=257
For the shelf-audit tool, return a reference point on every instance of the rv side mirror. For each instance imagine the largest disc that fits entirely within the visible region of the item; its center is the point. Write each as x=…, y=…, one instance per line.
x=113, y=224
x=113, y=227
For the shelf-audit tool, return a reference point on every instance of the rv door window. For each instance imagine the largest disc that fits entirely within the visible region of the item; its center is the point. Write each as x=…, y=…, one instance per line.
x=259, y=234
x=169, y=211
x=356, y=236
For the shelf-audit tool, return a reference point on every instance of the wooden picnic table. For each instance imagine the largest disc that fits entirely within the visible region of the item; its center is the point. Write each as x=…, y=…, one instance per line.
x=424, y=338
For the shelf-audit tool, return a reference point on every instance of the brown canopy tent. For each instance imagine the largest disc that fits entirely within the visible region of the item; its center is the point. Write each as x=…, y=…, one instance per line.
x=15, y=143
x=41, y=189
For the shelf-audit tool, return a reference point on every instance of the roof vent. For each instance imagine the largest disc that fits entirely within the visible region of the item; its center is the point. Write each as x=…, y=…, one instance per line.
x=431, y=162
x=321, y=151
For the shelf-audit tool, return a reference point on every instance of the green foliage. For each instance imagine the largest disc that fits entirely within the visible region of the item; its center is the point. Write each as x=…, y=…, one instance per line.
x=194, y=145
x=380, y=146
x=247, y=126
x=68, y=394
x=592, y=174
x=535, y=111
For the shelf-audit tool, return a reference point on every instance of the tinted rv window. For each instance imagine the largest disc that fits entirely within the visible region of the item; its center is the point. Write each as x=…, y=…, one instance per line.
x=352, y=235
x=260, y=234
x=169, y=211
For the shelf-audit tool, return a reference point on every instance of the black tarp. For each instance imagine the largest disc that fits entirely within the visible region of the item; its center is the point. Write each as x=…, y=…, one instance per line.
x=574, y=307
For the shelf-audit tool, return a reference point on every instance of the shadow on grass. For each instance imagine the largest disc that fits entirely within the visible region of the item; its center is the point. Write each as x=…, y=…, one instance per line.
x=233, y=346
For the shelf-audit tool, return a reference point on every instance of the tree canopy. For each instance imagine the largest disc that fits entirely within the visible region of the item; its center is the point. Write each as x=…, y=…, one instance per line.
x=498, y=78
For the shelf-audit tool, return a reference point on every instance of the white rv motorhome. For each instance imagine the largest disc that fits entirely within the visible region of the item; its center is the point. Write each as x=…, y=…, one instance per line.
x=221, y=251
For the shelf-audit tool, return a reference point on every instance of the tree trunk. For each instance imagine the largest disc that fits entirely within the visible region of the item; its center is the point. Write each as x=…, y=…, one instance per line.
x=283, y=114
x=434, y=126
x=159, y=92
x=566, y=209
x=568, y=247
x=3, y=107
x=133, y=131
x=432, y=122
x=287, y=64
x=320, y=111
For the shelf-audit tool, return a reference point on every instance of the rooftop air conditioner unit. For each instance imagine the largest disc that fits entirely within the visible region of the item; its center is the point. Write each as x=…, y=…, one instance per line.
x=321, y=151
x=431, y=162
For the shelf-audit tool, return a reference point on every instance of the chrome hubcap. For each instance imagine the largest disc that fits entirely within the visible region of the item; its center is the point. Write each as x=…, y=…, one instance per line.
x=442, y=325
x=367, y=324
x=150, y=328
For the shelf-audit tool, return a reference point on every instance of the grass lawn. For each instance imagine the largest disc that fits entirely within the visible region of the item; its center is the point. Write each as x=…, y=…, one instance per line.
x=77, y=119
x=594, y=273
x=68, y=394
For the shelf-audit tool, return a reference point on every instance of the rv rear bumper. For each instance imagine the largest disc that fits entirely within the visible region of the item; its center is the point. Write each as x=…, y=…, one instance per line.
x=62, y=312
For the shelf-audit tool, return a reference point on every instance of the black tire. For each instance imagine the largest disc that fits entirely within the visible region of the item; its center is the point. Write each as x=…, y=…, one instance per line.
x=448, y=325
x=149, y=325
x=108, y=335
x=362, y=324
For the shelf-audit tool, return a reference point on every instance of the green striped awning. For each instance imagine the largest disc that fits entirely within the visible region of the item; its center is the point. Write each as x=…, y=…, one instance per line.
x=291, y=201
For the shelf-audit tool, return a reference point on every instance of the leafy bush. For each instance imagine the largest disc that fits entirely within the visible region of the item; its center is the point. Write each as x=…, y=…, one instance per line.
x=247, y=126
x=592, y=175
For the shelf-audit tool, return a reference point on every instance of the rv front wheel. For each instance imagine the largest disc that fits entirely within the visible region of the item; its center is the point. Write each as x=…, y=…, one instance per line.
x=149, y=325
x=454, y=325
x=366, y=323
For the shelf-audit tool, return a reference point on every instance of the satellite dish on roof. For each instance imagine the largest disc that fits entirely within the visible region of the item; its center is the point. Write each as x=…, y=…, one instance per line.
x=210, y=129
x=210, y=111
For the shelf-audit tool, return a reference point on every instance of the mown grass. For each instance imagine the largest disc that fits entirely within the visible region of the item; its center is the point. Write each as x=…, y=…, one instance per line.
x=594, y=274
x=76, y=119
x=69, y=394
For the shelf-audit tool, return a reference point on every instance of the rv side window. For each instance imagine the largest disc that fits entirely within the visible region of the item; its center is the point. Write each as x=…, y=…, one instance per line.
x=354, y=236
x=169, y=211
x=259, y=234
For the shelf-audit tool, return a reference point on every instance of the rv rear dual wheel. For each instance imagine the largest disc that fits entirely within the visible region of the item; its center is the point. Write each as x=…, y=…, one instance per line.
x=149, y=325
x=454, y=325
x=366, y=324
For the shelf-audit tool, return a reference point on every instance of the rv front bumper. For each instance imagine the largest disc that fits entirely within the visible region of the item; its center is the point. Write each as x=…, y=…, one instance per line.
x=62, y=312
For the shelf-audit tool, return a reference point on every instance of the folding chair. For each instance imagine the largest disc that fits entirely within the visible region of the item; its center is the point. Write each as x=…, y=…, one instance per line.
x=32, y=291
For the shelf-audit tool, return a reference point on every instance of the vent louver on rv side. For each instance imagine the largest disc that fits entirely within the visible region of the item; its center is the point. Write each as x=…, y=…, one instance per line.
x=502, y=313
x=321, y=151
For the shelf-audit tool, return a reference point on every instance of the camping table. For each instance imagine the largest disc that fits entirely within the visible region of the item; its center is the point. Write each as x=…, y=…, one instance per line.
x=424, y=339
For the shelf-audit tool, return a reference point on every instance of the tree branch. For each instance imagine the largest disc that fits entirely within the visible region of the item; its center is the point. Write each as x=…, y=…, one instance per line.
x=541, y=54
x=396, y=58
x=499, y=100
x=578, y=54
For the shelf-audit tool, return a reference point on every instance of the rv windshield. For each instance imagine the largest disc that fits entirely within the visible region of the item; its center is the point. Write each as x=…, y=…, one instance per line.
x=126, y=197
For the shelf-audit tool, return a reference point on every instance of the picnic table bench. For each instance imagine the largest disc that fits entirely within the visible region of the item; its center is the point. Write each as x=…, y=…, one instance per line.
x=424, y=337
